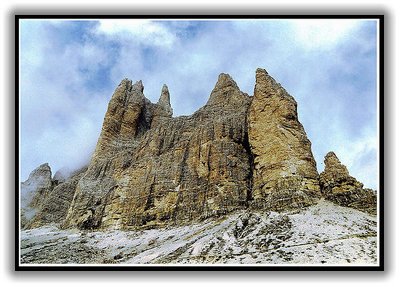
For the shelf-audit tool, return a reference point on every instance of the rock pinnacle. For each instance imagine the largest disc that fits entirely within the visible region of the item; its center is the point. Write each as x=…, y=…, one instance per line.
x=164, y=100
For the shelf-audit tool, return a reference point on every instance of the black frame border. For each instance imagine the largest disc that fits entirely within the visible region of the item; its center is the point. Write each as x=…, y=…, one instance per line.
x=380, y=267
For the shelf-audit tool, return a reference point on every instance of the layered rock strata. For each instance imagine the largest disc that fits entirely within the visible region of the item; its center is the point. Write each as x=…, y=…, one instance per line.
x=338, y=186
x=285, y=173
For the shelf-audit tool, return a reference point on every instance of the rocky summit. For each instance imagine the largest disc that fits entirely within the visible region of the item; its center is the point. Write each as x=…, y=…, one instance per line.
x=235, y=161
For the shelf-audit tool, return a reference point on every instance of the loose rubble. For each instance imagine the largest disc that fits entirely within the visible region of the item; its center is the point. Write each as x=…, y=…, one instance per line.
x=321, y=234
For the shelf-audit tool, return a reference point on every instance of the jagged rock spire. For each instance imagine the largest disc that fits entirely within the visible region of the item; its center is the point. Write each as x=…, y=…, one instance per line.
x=122, y=117
x=178, y=169
x=225, y=90
x=285, y=173
x=164, y=100
x=224, y=81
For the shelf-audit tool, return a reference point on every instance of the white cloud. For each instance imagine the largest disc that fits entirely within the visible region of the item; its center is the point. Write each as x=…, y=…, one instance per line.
x=144, y=32
x=322, y=33
x=60, y=117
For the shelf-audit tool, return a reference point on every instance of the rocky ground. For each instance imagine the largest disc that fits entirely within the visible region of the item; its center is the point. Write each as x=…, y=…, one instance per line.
x=325, y=233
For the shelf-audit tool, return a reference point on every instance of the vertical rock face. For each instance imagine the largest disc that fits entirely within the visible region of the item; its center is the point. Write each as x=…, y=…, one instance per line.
x=285, y=173
x=127, y=117
x=33, y=190
x=173, y=170
x=338, y=186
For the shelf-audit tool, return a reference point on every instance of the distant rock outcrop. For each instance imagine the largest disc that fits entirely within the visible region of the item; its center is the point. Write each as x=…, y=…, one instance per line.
x=150, y=169
x=33, y=190
x=338, y=186
x=44, y=199
x=39, y=178
x=54, y=205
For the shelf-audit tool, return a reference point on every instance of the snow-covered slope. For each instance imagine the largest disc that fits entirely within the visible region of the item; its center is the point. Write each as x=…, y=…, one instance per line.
x=321, y=234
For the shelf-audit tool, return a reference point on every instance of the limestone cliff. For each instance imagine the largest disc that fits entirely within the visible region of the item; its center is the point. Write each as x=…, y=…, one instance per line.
x=285, y=173
x=150, y=169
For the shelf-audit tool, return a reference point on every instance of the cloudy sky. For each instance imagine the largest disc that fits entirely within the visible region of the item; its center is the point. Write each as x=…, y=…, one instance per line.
x=69, y=70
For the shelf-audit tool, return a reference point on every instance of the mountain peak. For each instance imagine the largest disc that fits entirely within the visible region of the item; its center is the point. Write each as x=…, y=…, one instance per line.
x=282, y=152
x=138, y=86
x=43, y=171
x=225, y=80
x=223, y=90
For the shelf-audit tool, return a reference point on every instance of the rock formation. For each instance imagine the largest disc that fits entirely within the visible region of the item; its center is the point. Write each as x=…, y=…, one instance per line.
x=45, y=200
x=338, y=186
x=166, y=170
x=164, y=101
x=150, y=169
x=54, y=205
x=62, y=175
x=33, y=190
x=285, y=173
